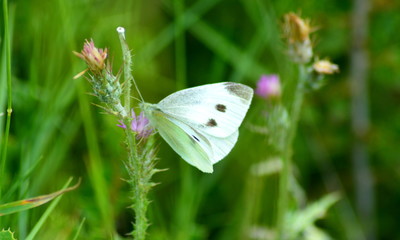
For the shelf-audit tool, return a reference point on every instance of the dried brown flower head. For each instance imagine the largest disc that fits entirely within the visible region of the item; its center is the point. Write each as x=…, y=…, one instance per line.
x=325, y=67
x=297, y=33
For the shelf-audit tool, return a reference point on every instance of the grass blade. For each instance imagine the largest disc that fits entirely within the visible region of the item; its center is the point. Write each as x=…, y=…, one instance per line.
x=78, y=231
x=26, y=204
x=43, y=218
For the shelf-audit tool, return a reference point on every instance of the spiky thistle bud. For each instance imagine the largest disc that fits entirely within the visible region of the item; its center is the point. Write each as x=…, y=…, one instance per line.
x=106, y=86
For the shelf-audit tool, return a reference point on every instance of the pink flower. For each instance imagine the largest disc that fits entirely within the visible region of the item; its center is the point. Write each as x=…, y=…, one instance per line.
x=140, y=125
x=94, y=57
x=269, y=86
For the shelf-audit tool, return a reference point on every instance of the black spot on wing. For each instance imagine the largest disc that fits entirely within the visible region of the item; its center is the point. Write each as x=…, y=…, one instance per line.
x=220, y=107
x=195, y=138
x=211, y=123
x=239, y=90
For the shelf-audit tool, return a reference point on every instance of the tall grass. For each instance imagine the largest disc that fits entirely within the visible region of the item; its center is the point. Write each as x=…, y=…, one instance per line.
x=56, y=132
x=7, y=70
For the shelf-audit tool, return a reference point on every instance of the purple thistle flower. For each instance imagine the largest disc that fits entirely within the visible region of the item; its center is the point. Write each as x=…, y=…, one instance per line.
x=93, y=56
x=269, y=86
x=139, y=125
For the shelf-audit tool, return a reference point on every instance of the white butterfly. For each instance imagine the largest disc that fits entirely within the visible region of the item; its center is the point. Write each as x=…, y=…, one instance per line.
x=201, y=123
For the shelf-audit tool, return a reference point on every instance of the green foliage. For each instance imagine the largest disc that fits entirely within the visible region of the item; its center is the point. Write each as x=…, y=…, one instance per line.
x=56, y=131
x=6, y=235
x=302, y=222
x=26, y=204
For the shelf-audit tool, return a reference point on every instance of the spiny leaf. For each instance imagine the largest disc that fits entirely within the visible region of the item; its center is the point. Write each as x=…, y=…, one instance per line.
x=7, y=235
x=300, y=220
x=26, y=204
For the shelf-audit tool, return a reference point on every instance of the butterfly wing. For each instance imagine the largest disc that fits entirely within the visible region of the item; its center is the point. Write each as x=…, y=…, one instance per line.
x=215, y=109
x=192, y=146
x=196, y=148
x=201, y=123
x=221, y=146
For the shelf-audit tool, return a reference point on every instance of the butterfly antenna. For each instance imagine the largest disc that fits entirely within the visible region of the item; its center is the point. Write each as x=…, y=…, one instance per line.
x=137, y=89
x=137, y=99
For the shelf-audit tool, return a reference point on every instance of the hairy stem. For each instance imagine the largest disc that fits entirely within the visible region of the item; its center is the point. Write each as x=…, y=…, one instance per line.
x=140, y=163
x=138, y=186
x=127, y=69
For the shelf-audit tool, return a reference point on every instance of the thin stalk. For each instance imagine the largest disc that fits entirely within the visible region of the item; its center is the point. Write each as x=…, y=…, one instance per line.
x=9, y=101
x=251, y=210
x=139, y=198
x=127, y=69
x=360, y=119
x=139, y=169
x=284, y=190
x=78, y=231
x=128, y=77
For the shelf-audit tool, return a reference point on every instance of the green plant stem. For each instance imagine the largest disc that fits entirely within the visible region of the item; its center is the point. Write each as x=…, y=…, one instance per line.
x=139, y=186
x=78, y=231
x=127, y=69
x=128, y=77
x=9, y=101
x=284, y=189
x=139, y=172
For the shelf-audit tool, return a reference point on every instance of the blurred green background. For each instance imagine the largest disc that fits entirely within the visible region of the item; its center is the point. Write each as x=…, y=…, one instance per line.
x=56, y=132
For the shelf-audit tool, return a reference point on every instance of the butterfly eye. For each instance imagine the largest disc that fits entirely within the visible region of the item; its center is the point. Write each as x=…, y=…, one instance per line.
x=220, y=107
x=211, y=123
